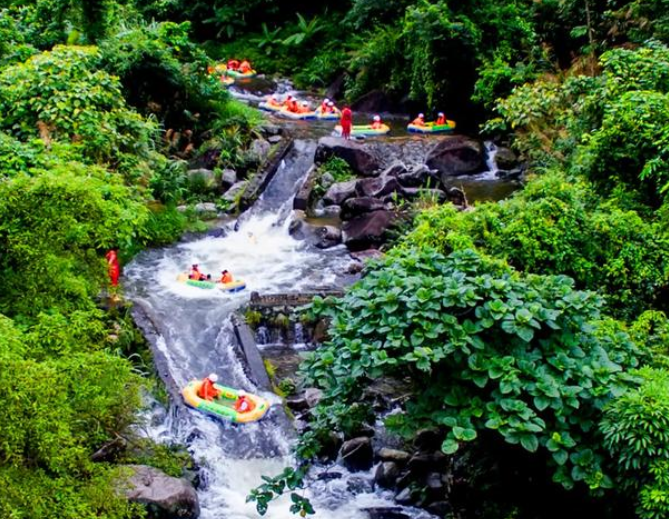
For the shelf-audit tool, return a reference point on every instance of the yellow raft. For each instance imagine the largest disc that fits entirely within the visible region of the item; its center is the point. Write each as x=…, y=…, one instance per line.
x=235, y=286
x=242, y=75
x=297, y=116
x=223, y=406
x=431, y=127
x=365, y=130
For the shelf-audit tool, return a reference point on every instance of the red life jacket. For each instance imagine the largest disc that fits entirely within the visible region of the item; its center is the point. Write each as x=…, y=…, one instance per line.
x=244, y=405
x=207, y=390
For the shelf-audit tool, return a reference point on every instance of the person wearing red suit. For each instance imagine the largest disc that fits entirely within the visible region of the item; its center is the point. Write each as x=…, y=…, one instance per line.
x=346, y=122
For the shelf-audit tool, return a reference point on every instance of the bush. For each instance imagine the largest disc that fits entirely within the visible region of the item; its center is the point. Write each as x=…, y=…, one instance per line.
x=485, y=348
x=636, y=432
x=59, y=95
x=558, y=226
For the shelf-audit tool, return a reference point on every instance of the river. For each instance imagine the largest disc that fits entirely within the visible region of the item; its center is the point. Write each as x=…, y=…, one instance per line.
x=195, y=337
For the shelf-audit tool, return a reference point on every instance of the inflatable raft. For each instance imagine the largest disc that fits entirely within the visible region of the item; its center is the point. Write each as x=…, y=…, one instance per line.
x=365, y=130
x=328, y=116
x=242, y=75
x=432, y=128
x=297, y=116
x=223, y=406
x=235, y=286
x=270, y=108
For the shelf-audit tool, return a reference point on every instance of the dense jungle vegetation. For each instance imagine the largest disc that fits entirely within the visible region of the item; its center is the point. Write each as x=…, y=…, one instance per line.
x=537, y=324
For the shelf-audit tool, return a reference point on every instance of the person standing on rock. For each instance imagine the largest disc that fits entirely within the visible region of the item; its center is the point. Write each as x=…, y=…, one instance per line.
x=113, y=267
x=346, y=122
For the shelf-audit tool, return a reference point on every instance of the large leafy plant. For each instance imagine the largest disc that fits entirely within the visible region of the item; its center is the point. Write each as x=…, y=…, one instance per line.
x=486, y=349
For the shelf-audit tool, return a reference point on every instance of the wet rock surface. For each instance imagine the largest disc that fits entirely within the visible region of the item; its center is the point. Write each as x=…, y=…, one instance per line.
x=163, y=496
x=457, y=155
x=357, y=155
x=357, y=454
x=367, y=230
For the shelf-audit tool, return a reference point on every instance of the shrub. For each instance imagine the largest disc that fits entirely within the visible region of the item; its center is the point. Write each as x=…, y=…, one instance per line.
x=485, y=348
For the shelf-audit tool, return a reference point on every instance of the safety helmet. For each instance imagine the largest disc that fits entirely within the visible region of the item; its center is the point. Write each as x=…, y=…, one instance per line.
x=223, y=272
x=304, y=103
x=377, y=118
x=241, y=392
x=213, y=377
x=441, y=114
x=326, y=100
x=275, y=97
x=421, y=115
x=330, y=103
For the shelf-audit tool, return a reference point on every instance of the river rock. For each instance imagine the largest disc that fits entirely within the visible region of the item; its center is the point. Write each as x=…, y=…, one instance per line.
x=329, y=236
x=235, y=192
x=513, y=174
x=368, y=254
x=313, y=395
x=418, y=177
x=506, y=159
x=339, y=192
x=367, y=230
x=377, y=187
x=355, y=154
x=228, y=178
x=404, y=496
x=206, y=208
x=297, y=403
x=457, y=155
x=427, y=440
x=327, y=180
x=357, y=454
x=440, y=508
x=258, y=151
x=360, y=205
x=202, y=177
x=395, y=455
x=413, y=193
x=165, y=497
x=435, y=486
x=386, y=474
x=269, y=129
x=386, y=512
x=396, y=169
x=274, y=139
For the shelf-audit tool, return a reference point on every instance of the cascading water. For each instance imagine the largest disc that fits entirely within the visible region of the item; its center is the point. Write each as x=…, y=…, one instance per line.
x=196, y=339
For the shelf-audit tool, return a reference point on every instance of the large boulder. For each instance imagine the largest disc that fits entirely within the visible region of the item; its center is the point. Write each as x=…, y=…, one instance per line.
x=339, y=192
x=457, y=155
x=357, y=454
x=356, y=206
x=235, y=192
x=386, y=474
x=356, y=155
x=419, y=176
x=394, y=455
x=378, y=187
x=228, y=178
x=506, y=159
x=201, y=178
x=165, y=497
x=367, y=230
x=259, y=150
x=395, y=169
x=436, y=195
x=329, y=236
